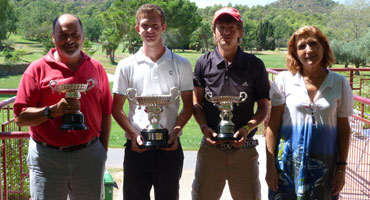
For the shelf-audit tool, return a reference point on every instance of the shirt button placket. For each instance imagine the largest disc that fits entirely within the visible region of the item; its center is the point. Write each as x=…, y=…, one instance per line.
x=155, y=72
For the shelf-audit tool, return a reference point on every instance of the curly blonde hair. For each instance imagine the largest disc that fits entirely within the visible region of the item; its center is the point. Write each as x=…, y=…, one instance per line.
x=293, y=63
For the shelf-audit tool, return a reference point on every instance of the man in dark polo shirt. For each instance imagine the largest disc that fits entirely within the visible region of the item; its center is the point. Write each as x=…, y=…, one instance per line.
x=227, y=71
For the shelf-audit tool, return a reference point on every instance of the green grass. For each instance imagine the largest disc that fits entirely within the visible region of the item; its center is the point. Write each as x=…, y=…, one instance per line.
x=192, y=56
x=10, y=82
x=272, y=59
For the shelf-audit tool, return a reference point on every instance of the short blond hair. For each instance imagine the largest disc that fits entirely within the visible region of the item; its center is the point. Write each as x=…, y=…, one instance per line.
x=293, y=63
x=150, y=8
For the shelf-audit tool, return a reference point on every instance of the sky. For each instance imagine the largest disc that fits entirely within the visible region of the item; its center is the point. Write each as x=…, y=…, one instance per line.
x=249, y=3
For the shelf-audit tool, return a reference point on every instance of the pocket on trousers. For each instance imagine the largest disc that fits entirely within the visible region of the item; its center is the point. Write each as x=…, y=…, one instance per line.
x=32, y=155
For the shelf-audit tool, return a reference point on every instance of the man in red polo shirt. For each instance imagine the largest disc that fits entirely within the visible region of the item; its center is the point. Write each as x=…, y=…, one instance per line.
x=65, y=162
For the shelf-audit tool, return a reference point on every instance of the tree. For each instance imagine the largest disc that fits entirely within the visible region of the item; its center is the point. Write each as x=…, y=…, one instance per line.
x=8, y=20
x=356, y=51
x=265, y=36
x=93, y=28
x=341, y=52
x=365, y=42
x=92, y=23
x=260, y=36
x=36, y=18
x=357, y=55
x=202, y=35
x=282, y=30
x=182, y=20
x=121, y=20
x=173, y=38
x=270, y=38
x=353, y=19
x=88, y=48
x=249, y=39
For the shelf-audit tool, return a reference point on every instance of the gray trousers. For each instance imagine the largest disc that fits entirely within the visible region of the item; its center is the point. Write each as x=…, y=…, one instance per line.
x=55, y=174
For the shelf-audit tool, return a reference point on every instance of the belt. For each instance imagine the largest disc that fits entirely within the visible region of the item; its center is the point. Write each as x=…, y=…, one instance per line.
x=228, y=146
x=71, y=147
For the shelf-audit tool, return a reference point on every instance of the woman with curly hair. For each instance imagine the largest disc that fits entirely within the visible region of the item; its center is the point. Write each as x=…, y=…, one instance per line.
x=308, y=135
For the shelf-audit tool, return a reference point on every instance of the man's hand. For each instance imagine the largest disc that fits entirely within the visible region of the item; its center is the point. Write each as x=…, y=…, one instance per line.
x=209, y=135
x=173, y=142
x=242, y=134
x=136, y=142
x=65, y=106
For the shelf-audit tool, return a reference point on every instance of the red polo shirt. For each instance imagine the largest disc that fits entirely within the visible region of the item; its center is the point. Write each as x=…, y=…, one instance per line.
x=34, y=91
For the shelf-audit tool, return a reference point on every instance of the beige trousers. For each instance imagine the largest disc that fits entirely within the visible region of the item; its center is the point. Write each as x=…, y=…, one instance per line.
x=237, y=166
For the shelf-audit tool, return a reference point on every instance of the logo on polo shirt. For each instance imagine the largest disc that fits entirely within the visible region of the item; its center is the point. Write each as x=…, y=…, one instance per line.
x=170, y=72
x=245, y=83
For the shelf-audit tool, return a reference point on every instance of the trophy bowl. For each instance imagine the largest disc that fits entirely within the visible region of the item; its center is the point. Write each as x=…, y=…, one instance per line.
x=73, y=121
x=225, y=105
x=154, y=135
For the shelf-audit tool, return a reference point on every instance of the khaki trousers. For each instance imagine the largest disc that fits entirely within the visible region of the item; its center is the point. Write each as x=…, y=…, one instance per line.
x=237, y=166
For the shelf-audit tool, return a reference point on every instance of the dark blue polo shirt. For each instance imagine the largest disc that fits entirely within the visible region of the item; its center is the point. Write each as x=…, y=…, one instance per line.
x=246, y=74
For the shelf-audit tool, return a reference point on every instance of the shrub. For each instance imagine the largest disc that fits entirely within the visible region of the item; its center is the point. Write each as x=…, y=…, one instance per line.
x=13, y=56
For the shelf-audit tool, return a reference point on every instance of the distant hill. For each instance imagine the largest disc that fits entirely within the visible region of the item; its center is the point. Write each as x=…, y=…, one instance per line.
x=82, y=1
x=312, y=6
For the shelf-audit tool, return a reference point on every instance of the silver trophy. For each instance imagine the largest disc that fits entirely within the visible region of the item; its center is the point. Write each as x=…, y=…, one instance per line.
x=154, y=135
x=225, y=105
x=73, y=121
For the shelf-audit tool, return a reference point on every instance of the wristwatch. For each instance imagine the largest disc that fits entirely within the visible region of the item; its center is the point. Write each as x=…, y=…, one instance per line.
x=47, y=112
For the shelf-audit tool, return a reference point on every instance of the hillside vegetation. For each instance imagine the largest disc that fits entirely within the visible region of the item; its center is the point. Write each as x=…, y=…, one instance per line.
x=312, y=6
x=110, y=24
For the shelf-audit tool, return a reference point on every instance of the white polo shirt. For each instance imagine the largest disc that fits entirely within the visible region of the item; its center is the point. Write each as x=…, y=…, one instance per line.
x=153, y=78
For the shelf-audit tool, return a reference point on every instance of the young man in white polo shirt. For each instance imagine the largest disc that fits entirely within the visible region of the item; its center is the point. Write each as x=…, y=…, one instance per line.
x=153, y=70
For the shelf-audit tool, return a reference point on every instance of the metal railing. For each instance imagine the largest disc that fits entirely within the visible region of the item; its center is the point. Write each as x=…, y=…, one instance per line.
x=360, y=84
x=358, y=169
x=357, y=185
x=14, y=182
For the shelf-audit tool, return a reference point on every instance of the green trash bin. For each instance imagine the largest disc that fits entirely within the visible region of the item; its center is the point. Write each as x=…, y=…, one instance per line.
x=108, y=186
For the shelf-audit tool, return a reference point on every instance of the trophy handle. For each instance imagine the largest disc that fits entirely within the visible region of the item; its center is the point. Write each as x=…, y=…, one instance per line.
x=209, y=96
x=92, y=84
x=243, y=96
x=174, y=92
x=131, y=94
x=54, y=88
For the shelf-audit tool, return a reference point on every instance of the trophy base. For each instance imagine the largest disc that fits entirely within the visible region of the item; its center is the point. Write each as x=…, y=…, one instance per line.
x=73, y=122
x=226, y=132
x=225, y=137
x=154, y=139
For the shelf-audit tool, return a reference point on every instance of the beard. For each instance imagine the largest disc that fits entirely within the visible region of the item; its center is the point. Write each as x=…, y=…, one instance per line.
x=71, y=50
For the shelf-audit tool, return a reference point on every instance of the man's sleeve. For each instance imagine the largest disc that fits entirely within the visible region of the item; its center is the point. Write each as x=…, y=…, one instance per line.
x=198, y=78
x=121, y=76
x=186, y=77
x=106, y=102
x=28, y=94
x=262, y=83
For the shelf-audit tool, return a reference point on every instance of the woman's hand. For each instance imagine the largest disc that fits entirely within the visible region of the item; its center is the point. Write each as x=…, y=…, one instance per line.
x=339, y=180
x=272, y=178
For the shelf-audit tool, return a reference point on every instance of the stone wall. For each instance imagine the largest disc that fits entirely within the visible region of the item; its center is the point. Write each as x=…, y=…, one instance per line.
x=14, y=69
